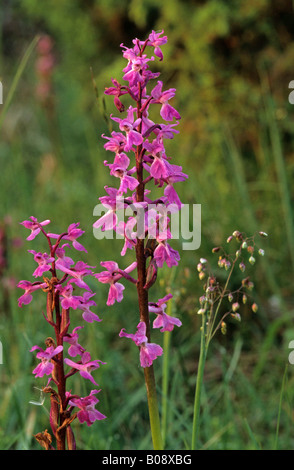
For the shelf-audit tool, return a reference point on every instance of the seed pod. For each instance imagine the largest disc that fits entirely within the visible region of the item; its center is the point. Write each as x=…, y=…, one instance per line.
x=201, y=311
x=223, y=328
x=254, y=307
x=235, y=306
x=237, y=316
x=263, y=234
x=242, y=267
x=199, y=267
x=227, y=265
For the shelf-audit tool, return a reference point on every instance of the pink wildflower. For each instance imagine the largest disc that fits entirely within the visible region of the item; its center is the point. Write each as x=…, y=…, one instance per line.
x=43, y=261
x=148, y=351
x=86, y=367
x=87, y=412
x=163, y=321
x=29, y=287
x=167, y=112
x=34, y=226
x=72, y=338
x=46, y=366
x=110, y=277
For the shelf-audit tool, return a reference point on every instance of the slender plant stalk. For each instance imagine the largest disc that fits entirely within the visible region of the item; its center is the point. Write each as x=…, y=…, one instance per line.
x=280, y=407
x=153, y=408
x=165, y=380
x=199, y=383
x=207, y=333
x=165, y=366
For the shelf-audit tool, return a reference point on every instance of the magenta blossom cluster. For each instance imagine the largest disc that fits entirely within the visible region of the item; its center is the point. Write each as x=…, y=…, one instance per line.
x=66, y=285
x=140, y=159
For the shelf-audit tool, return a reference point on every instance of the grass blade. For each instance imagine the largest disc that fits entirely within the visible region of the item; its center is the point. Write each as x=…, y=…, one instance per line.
x=16, y=78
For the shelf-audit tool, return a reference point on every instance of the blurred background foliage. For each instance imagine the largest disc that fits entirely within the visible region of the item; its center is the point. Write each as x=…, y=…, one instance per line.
x=231, y=63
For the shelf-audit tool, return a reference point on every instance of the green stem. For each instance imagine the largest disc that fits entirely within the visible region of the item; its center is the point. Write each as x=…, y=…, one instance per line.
x=165, y=380
x=206, y=335
x=280, y=408
x=199, y=383
x=153, y=408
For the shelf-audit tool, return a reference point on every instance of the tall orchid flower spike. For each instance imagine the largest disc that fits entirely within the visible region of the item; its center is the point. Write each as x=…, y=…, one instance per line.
x=140, y=163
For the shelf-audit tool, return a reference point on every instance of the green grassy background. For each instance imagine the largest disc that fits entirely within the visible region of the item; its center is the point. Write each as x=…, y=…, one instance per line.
x=231, y=67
